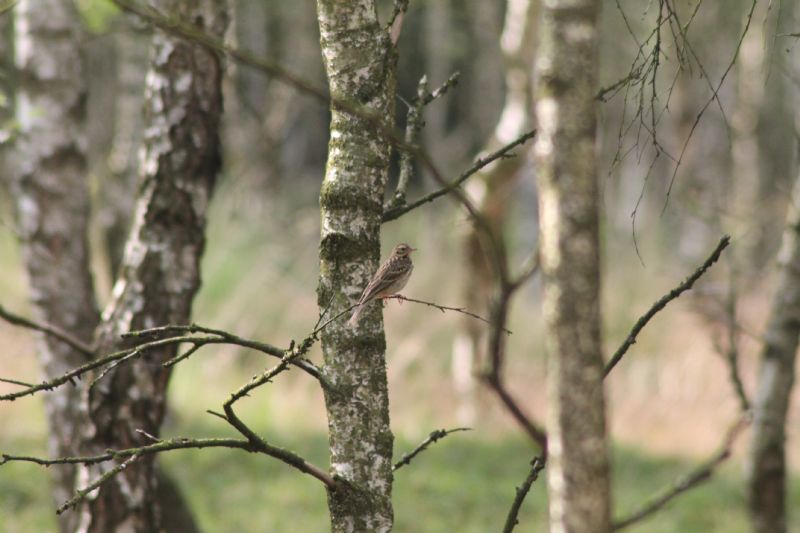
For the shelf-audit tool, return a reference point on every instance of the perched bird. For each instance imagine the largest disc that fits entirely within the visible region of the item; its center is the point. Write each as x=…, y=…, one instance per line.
x=390, y=279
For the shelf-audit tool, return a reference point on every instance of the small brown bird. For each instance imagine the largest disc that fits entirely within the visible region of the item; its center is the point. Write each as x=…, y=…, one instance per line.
x=390, y=279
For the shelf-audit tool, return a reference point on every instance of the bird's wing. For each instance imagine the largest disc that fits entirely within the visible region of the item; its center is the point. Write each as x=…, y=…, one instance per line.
x=386, y=276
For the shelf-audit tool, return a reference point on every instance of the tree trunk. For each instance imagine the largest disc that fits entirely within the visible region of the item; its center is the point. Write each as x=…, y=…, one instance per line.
x=360, y=63
x=159, y=274
x=492, y=188
x=766, y=466
x=52, y=206
x=578, y=476
x=118, y=189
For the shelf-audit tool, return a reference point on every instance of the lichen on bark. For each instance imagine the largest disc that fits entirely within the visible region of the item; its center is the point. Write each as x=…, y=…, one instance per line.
x=360, y=63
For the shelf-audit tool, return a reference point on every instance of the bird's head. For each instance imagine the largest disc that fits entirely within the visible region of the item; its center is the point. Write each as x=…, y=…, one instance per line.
x=403, y=249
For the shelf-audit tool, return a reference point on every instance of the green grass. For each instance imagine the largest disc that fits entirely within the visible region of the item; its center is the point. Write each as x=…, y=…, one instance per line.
x=460, y=484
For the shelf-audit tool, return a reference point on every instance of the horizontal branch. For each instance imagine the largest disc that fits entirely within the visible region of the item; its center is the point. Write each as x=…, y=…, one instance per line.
x=47, y=329
x=189, y=336
x=396, y=212
x=662, y=302
x=433, y=437
x=700, y=474
x=443, y=308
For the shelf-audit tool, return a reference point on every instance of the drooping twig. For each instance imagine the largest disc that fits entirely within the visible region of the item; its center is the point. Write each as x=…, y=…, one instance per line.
x=698, y=475
x=396, y=212
x=537, y=465
x=443, y=308
x=433, y=437
x=47, y=329
x=662, y=302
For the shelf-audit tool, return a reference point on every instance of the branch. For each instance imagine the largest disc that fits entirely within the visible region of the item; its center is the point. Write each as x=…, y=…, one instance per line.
x=443, y=308
x=537, y=465
x=536, y=433
x=662, y=302
x=433, y=437
x=82, y=493
x=700, y=474
x=47, y=329
x=396, y=212
x=213, y=336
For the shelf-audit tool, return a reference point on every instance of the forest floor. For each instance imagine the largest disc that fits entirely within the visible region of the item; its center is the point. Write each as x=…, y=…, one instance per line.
x=670, y=398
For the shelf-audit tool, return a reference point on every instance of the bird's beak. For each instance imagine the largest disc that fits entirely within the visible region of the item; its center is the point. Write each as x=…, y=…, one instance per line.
x=413, y=250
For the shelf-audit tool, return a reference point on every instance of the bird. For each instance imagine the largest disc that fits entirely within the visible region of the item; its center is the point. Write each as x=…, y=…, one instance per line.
x=390, y=279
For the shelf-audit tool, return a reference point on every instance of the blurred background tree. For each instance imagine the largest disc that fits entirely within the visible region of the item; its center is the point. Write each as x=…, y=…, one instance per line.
x=670, y=401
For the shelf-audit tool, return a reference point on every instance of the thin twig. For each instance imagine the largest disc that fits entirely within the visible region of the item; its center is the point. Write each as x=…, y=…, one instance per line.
x=700, y=474
x=397, y=212
x=443, y=308
x=537, y=465
x=433, y=437
x=662, y=302
x=82, y=493
x=17, y=382
x=47, y=329
x=413, y=126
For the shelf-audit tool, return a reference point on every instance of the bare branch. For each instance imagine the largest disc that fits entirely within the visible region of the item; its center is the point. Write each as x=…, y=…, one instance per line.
x=82, y=493
x=443, y=308
x=17, y=382
x=396, y=212
x=212, y=336
x=537, y=465
x=433, y=437
x=47, y=329
x=662, y=302
x=414, y=124
x=700, y=474
x=536, y=433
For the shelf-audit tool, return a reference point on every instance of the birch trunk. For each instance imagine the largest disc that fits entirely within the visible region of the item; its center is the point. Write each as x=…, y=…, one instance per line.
x=578, y=477
x=159, y=274
x=360, y=63
x=52, y=206
x=766, y=465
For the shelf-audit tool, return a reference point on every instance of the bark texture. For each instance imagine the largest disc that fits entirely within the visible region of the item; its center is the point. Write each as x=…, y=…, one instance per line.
x=52, y=205
x=159, y=274
x=360, y=63
x=766, y=466
x=578, y=477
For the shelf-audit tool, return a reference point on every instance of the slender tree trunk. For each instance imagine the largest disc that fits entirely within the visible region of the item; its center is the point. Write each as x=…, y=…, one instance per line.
x=766, y=466
x=52, y=205
x=159, y=274
x=360, y=63
x=492, y=188
x=578, y=476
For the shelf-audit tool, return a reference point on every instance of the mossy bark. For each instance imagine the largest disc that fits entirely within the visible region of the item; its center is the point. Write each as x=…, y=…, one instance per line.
x=578, y=476
x=360, y=63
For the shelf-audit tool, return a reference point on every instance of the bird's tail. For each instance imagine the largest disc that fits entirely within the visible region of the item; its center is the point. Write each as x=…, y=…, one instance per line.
x=353, y=322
